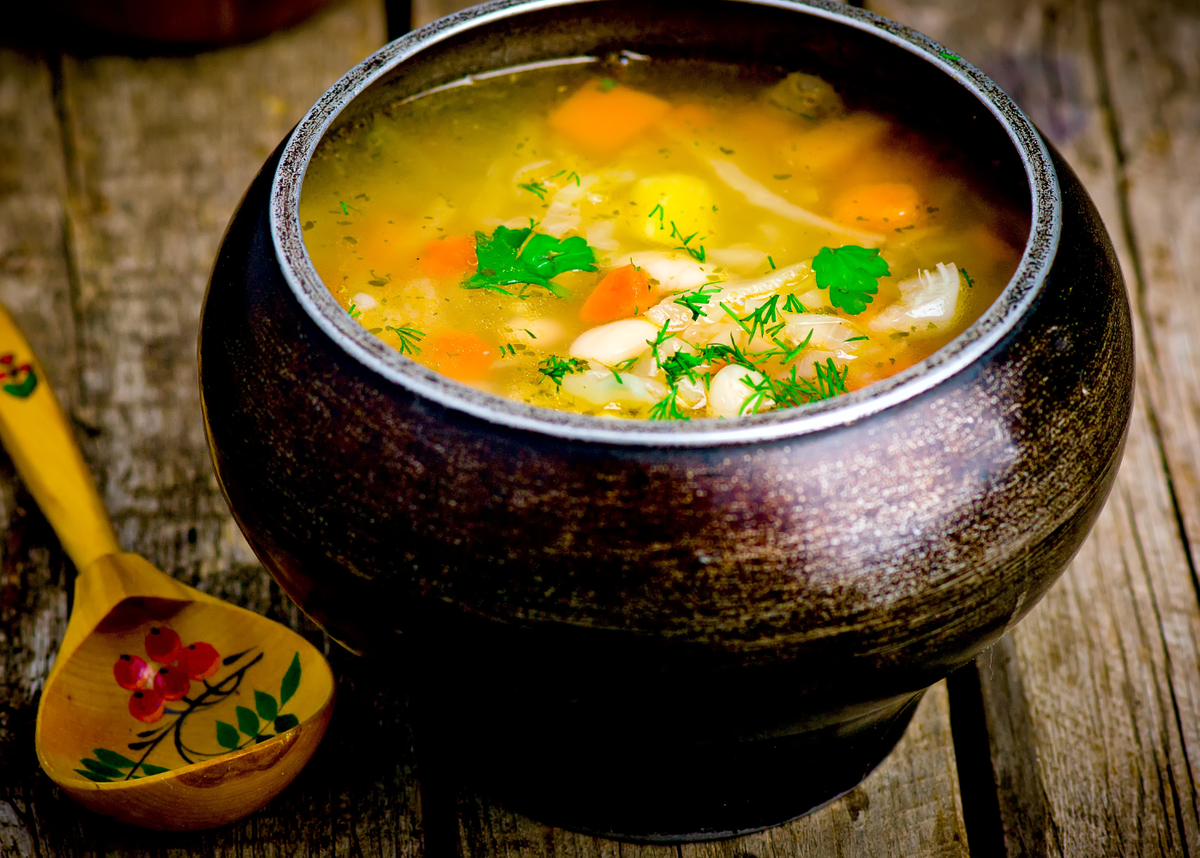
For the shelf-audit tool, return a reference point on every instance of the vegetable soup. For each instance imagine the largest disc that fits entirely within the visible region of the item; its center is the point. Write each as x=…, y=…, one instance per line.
x=663, y=239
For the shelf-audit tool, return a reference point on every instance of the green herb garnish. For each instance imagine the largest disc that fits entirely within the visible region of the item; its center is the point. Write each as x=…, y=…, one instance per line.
x=790, y=390
x=554, y=368
x=695, y=300
x=681, y=365
x=667, y=408
x=534, y=188
x=512, y=256
x=967, y=277
x=791, y=304
x=661, y=338
x=697, y=253
x=409, y=337
x=851, y=274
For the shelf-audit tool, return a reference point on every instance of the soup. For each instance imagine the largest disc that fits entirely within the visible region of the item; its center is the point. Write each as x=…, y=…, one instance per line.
x=663, y=239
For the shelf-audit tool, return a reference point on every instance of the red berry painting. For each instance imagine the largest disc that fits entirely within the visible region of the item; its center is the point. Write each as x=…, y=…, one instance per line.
x=17, y=379
x=172, y=682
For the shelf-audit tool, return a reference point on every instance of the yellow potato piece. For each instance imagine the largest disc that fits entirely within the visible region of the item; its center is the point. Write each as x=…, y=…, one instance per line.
x=673, y=208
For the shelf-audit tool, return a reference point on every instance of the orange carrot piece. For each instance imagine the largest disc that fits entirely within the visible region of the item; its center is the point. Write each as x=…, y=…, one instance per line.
x=623, y=292
x=689, y=117
x=459, y=355
x=885, y=206
x=601, y=117
x=448, y=257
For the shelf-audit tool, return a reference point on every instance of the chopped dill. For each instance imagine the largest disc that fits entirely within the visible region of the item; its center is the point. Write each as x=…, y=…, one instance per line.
x=681, y=365
x=697, y=253
x=662, y=337
x=536, y=188
x=409, y=337
x=697, y=299
x=555, y=368
x=792, y=304
x=667, y=408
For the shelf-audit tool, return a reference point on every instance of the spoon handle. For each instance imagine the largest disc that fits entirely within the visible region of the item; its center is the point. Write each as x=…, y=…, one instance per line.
x=37, y=436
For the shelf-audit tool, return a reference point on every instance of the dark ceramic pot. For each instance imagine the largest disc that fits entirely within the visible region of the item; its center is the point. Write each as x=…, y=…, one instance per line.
x=687, y=630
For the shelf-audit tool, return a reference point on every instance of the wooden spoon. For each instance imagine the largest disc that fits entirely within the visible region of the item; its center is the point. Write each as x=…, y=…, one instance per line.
x=165, y=707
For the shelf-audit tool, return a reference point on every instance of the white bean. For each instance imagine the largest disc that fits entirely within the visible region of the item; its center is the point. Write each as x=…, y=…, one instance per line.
x=617, y=341
x=731, y=387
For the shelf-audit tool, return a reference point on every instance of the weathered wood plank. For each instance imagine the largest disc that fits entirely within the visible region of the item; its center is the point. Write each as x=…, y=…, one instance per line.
x=157, y=153
x=909, y=806
x=34, y=284
x=1091, y=701
x=1152, y=63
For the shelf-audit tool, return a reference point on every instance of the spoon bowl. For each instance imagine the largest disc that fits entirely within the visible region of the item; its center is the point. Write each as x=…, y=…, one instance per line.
x=166, y=708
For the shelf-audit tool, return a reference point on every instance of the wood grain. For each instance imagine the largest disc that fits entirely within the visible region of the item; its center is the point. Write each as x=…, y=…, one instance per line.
x=1092, y=700
x=144, y=160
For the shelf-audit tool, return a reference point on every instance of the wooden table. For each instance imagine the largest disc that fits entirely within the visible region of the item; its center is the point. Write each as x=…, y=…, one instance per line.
x=1078, y=734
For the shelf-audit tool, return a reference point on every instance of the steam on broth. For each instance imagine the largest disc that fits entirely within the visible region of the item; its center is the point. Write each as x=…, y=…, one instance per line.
x=652, y=238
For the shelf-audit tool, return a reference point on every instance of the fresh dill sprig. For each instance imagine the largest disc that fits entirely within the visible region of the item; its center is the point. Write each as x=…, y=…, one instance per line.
x=681, y=365
x=697, y=253
x=791, y=304
x=667, y=408
x=534, y=188
x=409, y=337
x=697, y=299
x=555, y=368
x=662, y=337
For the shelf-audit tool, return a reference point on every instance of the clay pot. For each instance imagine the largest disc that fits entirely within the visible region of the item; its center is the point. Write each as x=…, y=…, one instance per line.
x=686, y=630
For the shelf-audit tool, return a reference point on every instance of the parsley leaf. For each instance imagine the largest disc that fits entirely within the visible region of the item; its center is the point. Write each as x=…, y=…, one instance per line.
x=511, y=256
x=851, y=274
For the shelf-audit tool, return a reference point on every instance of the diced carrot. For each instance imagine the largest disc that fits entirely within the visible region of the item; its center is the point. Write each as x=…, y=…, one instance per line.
x=885, y=206
x=602, y=116
x=459, y=355
x=862, y=377
x=689, y=117
x=833, y=144
x=621, y=293
x=448, y=257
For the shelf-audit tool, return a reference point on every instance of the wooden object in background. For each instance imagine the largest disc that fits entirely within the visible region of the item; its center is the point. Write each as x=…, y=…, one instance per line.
x=119, y=600
x=1093, y=702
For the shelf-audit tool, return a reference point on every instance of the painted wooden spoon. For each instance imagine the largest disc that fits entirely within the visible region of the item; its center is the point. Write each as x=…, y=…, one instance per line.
x=165, y=707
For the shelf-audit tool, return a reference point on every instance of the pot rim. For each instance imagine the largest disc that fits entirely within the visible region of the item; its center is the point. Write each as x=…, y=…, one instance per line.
x=957, y=355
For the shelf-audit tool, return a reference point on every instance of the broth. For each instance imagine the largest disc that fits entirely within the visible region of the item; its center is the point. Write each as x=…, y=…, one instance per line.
x=663, y=239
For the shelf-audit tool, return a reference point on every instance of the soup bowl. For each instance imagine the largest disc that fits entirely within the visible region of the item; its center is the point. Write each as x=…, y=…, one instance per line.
x=665, y=631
